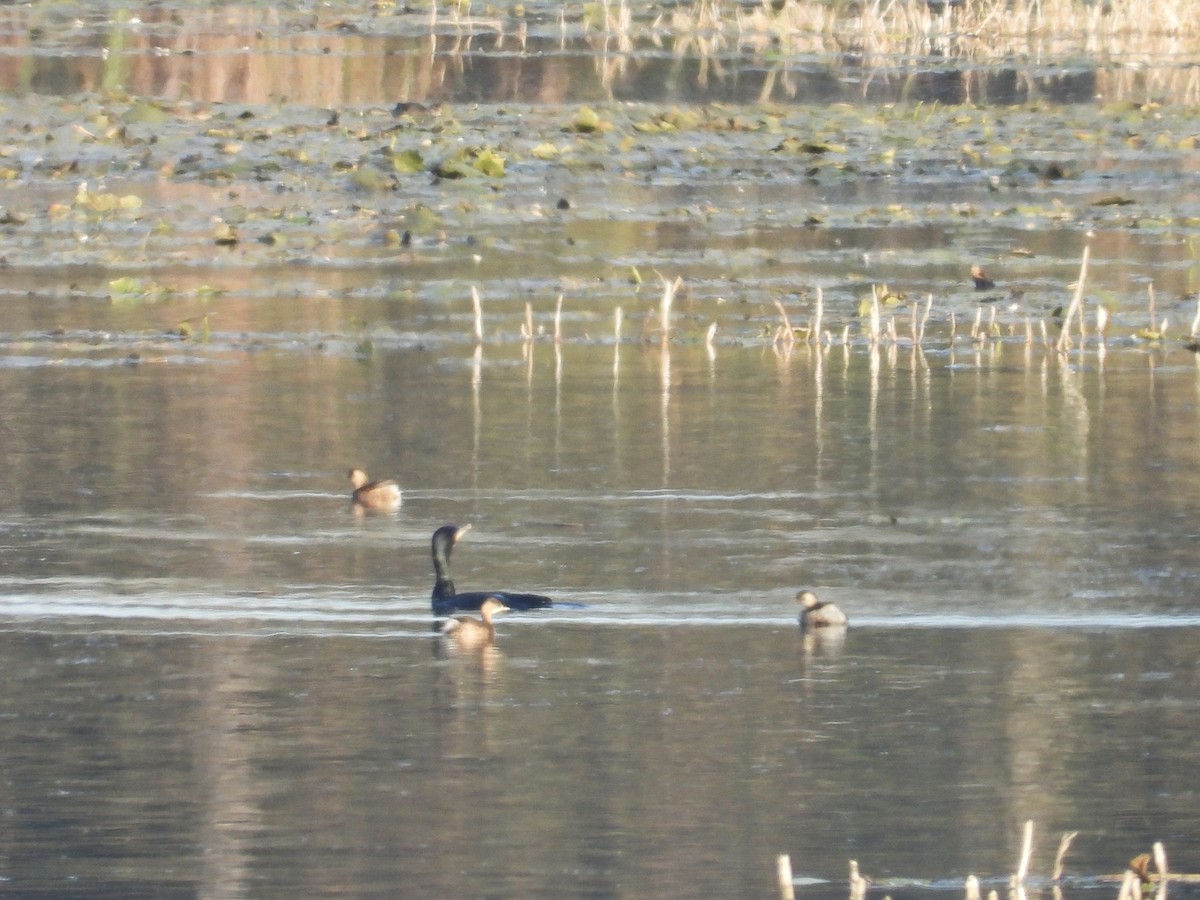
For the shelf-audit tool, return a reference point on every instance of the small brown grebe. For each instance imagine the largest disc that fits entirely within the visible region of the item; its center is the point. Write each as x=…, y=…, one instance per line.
x=816, y=613
x=379, y=495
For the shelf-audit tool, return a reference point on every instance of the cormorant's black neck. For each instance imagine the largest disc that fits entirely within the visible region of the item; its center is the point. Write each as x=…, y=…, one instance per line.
x=443, y=585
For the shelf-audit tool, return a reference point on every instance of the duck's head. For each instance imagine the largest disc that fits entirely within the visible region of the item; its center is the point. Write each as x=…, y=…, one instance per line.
x=808, y=599
x=492, y=606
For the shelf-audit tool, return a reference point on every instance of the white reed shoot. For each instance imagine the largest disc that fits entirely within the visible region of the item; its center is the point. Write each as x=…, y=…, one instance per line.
x=478, y=306
x=784, y=332
x=1063, y=846
x=1160, y=862
x=925, y=317
x=668, y=298
x=783, y=875
x=820, y=314
x=1064, y=339
x=874, y=328
x=972, y=888
x=1026, y=852
x=1131, y=886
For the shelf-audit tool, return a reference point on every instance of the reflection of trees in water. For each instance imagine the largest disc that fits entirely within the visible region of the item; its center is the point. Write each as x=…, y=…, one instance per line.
x=800, y=53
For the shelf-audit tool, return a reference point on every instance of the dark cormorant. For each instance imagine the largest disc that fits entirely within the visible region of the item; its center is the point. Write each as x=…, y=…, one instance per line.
x=447, y=600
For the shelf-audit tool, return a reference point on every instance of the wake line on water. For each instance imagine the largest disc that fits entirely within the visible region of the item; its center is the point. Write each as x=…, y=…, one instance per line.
x=20, y=611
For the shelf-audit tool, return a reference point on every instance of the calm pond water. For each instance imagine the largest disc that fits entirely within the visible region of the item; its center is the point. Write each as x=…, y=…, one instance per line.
x=220, y=681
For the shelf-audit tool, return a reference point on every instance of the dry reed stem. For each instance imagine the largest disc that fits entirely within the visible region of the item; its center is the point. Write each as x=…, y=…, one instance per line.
x=925, y=317
x=558, y=320
x=858, y=884
x=1131, y=886
x=783, y=876
x=1064, y=845
x=784, y=331
x=668, y=299
x=820, y=314
x=527, y=328
x=1102, y=319
x=972, y=888
x=1026, y=852
x=874, y=320
x=1160, y=862
x=1064, y=338
x=478, y=307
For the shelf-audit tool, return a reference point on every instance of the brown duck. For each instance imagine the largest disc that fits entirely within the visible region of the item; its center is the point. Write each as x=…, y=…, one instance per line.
x=467, y=630
x=816, y=613
x=380, y=495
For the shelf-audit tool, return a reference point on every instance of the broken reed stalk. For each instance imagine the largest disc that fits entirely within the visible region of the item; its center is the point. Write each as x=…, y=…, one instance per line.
x=1026, y=853
x=1160, y=862
x=971, y=888
x=1131, y=886
x=783, y=877
x=1064, y=337
x=478, y=305
x=708, y=337
x=668, y=298
x=1195, y=322
x=874, y=335
x=858, y=884
x=820, y=314
x=1063, y=846
x=784, y=333
x=558, y=320
x=925, y=317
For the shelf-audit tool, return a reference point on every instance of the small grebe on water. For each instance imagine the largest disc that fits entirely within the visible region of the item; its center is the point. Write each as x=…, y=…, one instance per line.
x=467, y=630
x=816, y=613
x=381, y=495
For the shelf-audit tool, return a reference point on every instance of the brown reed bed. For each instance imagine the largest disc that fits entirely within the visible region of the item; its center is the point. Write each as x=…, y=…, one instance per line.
x=1135, y=47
